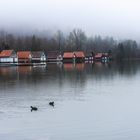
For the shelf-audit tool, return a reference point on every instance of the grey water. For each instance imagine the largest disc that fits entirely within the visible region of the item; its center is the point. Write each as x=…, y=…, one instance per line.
x=92, y=102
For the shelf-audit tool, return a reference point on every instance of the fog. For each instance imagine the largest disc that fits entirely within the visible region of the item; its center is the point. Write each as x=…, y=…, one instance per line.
x=117, y=18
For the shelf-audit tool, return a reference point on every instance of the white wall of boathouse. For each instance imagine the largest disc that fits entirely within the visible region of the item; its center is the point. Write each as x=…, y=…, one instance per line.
x=8, y=60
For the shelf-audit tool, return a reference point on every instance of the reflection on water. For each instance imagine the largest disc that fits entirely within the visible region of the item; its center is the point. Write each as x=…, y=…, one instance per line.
x=70, y=71
x=59, y=76
x=71, y=67
x=92, y=101
x=61, y=79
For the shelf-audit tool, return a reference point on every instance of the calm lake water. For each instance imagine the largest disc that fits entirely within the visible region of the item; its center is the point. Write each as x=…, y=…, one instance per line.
x=92, y=102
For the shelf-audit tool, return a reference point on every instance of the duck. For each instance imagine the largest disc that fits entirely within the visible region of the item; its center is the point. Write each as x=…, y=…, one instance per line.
x=51, y=104
x=33, y=108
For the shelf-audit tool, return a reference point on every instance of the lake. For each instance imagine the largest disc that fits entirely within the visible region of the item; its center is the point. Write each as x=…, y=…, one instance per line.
x=92, y=102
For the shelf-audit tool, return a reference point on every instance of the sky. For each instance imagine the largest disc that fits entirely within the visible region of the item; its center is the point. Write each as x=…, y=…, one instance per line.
x=117, y=18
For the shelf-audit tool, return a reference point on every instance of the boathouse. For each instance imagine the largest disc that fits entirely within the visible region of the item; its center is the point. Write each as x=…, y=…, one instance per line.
x=103, y=57
x=89, y=57
x=98, y=57
x=8, y=56
x=38, y=57
x=68, y=57
x=24, y=56
x=79, y=57
x=54, y=56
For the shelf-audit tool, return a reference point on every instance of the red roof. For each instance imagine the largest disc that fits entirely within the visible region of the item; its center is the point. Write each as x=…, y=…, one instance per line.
x=24, y=54
x=68, y=55
x=6, y=53
x=98, y=55
x=79, y=54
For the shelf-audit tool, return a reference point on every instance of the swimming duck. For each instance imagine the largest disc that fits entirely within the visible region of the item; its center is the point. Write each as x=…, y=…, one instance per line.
x=51, y=104
x=33, y=108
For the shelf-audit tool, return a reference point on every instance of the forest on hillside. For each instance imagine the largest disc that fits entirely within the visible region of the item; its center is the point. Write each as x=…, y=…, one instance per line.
x=76, y=40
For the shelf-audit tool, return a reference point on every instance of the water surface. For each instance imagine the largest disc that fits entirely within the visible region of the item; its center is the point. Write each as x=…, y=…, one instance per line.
x=92, y=101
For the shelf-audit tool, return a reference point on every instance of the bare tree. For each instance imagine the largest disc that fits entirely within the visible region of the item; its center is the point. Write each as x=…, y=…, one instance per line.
x=77, y=39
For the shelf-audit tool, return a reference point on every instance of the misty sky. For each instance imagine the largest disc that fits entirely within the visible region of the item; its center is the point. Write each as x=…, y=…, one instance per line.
x=117, y=18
